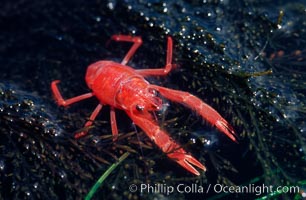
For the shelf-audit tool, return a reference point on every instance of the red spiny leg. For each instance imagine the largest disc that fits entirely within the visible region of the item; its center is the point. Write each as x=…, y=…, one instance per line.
x=196, y=104
x=59, y=99
x=93, y=117
x=127, y=38
x=162, y=71
x=114, y=124
x=90, y=121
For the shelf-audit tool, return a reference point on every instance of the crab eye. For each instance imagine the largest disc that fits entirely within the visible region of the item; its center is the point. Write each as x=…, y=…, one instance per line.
x=139, y=107
x=152, y=91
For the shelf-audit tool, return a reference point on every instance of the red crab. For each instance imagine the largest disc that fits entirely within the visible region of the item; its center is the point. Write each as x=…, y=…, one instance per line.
x=122, y=87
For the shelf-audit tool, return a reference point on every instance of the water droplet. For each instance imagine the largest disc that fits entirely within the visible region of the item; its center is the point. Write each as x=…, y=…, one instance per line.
x=96, y=139
x=207, y=142
x=110, y=5
x=62, y=174
x=193, y=140
x=28, y=193
x=98, y=19
x=2, y=165
x=27, y=146
x=14, y=185
x=35, y=185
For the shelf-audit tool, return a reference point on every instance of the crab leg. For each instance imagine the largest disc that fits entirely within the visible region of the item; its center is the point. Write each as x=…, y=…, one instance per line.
x=90, y=121
x=137, y=41
x=161, y=71
x=196, y=104
x=59, y=99
x=113, y=123
x=165, y=143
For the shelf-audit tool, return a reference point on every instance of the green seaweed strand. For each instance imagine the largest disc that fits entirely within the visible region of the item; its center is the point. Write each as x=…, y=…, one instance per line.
x=105, y=175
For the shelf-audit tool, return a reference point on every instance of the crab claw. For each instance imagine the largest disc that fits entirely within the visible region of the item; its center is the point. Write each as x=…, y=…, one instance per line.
x=161, y=138
x=226, y=128
x=203, y=109
x=186, y=161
